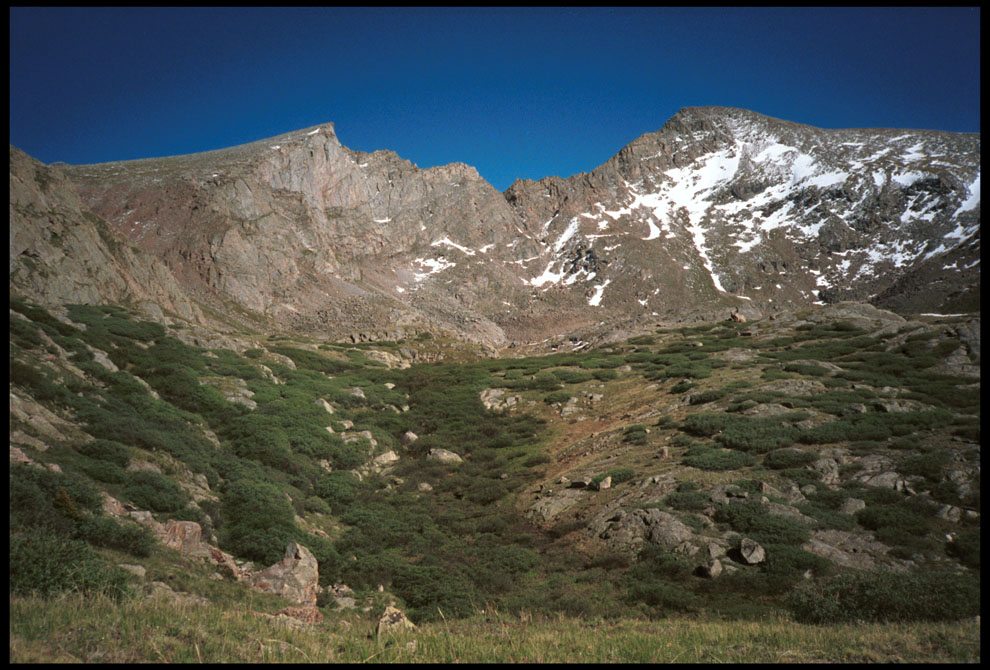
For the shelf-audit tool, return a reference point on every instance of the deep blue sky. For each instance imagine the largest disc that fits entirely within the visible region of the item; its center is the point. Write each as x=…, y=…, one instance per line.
x=515, y=92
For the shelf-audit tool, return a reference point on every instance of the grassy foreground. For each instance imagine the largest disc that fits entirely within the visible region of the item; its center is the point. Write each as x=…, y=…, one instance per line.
x=77, y=629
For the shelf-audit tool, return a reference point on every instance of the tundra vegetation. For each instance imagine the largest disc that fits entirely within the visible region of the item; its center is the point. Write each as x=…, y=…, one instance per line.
x=283, y=437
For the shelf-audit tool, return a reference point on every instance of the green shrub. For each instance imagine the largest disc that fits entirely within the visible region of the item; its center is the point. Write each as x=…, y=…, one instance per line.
x=966, y=547
x=261, y=438
x=104, y=471
x=757, y=436
x=788, y=458
x=153, y=491
x=24, y=334
x=103, y=531
x=106, y=450
x=707, y=424
x=605, y=375
x=572, y=376
x=826, y=517
x=802, y=476
x=705, y=458
x=688, y=501
x=752, y=519
x=896, y=525
x=635, y=434
x=557, y=397
x=789, y=561
x=317, y=504
x=258, y=521
x=618, y=476
x=45, y=564
x=930, y=465
x=707, y=396
x=339, y=489
x=682, y=386
x=885, y=596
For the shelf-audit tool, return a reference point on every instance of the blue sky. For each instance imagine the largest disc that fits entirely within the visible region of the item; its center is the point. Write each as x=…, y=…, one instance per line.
x=515, y=92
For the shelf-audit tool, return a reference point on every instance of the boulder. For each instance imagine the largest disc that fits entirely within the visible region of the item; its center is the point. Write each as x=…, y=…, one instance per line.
x=711, y=568
x=137, y=570
x=295, y=577
x=851, y=506
x=325, y=405
x=845, y=548
x=408, y=438
x=549, y=507
x=386, y=459
x=444, y=456
x=829, y=470
x=496, y=400
x=949, y=513
x=605, y=484
x=185, y=537
x=752, y=553
x=349, y=437
x=393, y=621
x=305, y=613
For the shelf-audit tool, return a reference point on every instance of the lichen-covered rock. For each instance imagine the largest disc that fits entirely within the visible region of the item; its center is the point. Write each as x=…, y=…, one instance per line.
x=392, y=621
x=295, y=577
x=444, y=456
x=751, y=551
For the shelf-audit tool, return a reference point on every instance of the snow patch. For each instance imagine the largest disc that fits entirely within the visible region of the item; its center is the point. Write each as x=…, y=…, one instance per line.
x=435, y=264
x=596, y=299
x=446, y=241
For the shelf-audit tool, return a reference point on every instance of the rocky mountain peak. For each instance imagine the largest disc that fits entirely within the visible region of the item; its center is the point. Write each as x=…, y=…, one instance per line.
x=719, y=210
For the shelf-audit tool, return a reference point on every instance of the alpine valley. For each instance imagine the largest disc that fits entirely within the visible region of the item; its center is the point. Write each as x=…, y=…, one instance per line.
x=289, y=401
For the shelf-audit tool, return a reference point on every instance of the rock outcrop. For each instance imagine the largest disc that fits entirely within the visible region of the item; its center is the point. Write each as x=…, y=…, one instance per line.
x=295, y=577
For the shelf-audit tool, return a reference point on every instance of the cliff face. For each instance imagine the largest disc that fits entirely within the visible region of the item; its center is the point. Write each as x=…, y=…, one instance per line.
x=60, y=252
x=720, y=210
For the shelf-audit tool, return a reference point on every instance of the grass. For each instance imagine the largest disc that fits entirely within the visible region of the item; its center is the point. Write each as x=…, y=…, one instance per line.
x=74, y=629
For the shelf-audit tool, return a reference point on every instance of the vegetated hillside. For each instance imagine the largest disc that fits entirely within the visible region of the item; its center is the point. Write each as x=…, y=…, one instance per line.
x=823, y=465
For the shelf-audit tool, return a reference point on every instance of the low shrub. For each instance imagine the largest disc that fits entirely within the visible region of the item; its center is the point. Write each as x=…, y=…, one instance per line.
x=106, y=450
x=705, y=458
x=557, y=397
x=802, y=476
x=966, y=547
x=707, y=396
x=886, y=596
x=104, y=471
x=45, y=564
x=618, y=476
x=153, y=491
x=752, y=519
x=103, y=531
x=688, y=501
x=789, y=561
x=788, y=458
x=635, y=434
x=258, y=521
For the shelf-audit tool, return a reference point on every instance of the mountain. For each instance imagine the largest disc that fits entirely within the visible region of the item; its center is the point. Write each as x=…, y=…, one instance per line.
x=289, y=390
x=720, y=210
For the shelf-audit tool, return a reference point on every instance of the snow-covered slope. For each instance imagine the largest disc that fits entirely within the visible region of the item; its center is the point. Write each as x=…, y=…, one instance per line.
x=748, y=209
